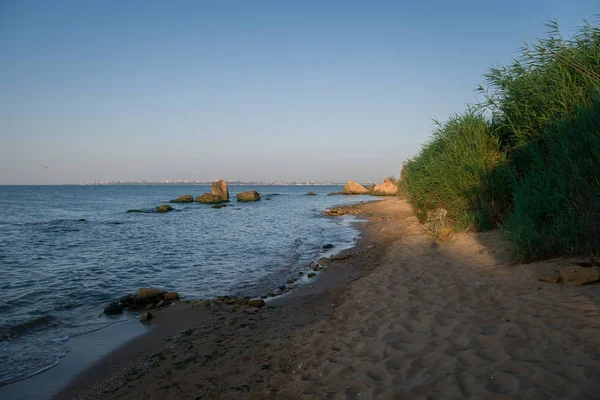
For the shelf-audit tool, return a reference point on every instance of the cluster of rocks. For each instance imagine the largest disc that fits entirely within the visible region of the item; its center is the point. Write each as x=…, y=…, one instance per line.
x=338, y=211
x=387, y=188
x=219, y=194
x=143, y=299
x=577, y=274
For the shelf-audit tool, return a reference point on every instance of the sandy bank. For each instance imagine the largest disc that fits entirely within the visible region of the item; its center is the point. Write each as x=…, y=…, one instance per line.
x=407, y=319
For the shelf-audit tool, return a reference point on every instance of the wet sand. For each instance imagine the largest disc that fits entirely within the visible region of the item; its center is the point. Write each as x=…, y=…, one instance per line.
x=401, y=318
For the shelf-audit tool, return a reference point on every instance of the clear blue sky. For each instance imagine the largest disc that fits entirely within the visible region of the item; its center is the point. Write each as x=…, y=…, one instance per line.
x=251, y=90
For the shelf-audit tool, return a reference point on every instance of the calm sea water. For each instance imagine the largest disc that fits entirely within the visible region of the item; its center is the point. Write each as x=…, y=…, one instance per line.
x=65, y=251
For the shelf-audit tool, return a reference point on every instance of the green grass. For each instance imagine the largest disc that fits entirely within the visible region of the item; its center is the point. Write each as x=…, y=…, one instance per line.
x=527, y=157
x=457, y=171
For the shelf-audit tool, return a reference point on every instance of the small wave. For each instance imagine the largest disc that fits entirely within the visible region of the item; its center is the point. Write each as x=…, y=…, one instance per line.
x=38, y=323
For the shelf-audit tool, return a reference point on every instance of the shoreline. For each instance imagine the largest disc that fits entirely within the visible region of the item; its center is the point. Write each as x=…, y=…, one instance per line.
x=172, y=321
x=407, y=318
x=116, y=337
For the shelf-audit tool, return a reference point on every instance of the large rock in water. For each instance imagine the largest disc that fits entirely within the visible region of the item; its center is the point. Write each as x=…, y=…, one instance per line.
x=218, y=194
x=354, y=188
x=148, y=295
x=250, y=195
x=186, y=198
x=164, y=208
x=576, y=275
x=219, y=188
x=387, y=188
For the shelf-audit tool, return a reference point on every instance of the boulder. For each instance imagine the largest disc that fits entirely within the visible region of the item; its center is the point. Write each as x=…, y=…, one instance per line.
x=256, y=303
x=113, y=309
x=218, y=194
x=186, y=198
x=171, y=296
x=354, y=188
x=250, y=195
x=576, y=275
x=148, y=295
x=209, y=198
x=311, y=194
x=219, y=188
x=145, y=317
x=164, y=208
x=387, y=188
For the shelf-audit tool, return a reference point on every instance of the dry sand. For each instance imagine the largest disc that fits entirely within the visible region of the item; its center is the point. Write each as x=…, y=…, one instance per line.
x=406, y=319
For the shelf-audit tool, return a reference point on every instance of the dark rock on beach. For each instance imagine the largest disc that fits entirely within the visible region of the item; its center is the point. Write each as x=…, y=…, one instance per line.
x=148, y=295
x=250, y=195
x=146, y=316
x=169, y=296
x=114, y=308
x=186, y=198
x=256, y=303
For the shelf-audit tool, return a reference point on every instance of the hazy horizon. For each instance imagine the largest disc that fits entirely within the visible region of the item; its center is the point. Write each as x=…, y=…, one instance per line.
x=243, y=91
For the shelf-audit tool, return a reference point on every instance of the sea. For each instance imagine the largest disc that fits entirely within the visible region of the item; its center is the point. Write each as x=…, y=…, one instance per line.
x=67, y=251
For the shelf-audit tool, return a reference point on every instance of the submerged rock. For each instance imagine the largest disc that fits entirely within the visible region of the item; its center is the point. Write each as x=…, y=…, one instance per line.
x=311, y=194
x=134, y=210
x=114, y=308
x=164, y=208
x=220, y=205
x=353, y=187
x=186, y=198
x=250, y=195
x=327, y=246
x=268, y=198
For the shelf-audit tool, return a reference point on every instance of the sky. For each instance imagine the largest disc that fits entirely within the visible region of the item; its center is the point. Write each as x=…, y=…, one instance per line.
x=244, y=90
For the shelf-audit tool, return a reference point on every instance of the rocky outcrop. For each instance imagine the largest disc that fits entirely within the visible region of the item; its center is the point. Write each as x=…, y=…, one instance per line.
x=354, y=188
x=576, y=275
x=250, y=195
x=218, y=194
x=164, y=208
x=387, y=188
x=169, y=296
x=186, y=198
x=148, y=295
x=220, y=189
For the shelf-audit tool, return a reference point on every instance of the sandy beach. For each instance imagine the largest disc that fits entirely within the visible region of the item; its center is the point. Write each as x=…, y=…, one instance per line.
x=400, y=318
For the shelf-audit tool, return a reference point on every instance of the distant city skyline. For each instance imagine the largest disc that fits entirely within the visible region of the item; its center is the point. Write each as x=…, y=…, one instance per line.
x=254, y=91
